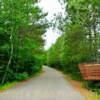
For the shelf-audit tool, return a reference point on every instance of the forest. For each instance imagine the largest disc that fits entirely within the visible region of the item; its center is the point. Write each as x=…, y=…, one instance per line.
x=22, y=53
x=22, y=23
x=80, y=39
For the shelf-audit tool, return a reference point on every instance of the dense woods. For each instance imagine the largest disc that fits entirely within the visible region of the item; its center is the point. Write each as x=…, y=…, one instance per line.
x=22, y=24
x=80, y=40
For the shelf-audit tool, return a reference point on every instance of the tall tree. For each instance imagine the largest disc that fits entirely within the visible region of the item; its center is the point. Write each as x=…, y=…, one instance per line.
x=22, y=24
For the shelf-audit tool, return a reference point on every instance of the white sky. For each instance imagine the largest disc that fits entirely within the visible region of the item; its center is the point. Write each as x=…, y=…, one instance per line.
x=52, y=7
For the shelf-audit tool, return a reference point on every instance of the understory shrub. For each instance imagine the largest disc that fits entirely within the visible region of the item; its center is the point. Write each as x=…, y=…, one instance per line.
x=21, y=76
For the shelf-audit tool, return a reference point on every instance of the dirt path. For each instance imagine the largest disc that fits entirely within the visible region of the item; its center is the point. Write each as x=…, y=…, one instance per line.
x=51, y=85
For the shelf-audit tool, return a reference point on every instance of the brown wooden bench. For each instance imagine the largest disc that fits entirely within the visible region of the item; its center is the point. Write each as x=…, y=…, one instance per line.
x=90, y=71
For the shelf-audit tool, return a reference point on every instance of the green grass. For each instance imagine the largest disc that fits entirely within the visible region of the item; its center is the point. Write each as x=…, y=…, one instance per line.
x=11, y=84
x=7, y=86
x=93, y=97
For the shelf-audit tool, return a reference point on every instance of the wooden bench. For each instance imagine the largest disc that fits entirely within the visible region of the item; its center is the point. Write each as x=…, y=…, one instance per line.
x=90, y=71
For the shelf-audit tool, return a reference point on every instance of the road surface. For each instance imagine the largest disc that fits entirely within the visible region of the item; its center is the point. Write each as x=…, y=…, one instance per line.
x=51, y=85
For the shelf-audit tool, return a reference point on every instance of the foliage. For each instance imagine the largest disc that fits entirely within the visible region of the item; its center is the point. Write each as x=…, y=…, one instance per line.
x=21, y=76
x=68, y=51
x=22, y=24
x=79, y=41
x=92, y=85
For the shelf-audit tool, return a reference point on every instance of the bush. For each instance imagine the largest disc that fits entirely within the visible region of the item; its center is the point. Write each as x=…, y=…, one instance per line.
x=21, y=76
x=92, y=85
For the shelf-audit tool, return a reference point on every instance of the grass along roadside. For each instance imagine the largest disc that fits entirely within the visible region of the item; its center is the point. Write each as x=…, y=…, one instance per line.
x=9, y=85
x=86, y=93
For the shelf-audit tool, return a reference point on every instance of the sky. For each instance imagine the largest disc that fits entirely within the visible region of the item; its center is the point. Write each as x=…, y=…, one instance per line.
x=52, y=7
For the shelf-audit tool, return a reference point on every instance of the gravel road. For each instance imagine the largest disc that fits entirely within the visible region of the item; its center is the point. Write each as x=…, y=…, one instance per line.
x=51, y=85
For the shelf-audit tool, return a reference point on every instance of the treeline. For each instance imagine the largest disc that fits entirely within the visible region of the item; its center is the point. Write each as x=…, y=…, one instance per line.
x=22, y=24
x=80, y=39
x=71, y=49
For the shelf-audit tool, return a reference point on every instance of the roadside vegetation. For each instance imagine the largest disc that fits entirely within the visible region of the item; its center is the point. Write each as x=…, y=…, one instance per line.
x=80, y=40
x=22, y=24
